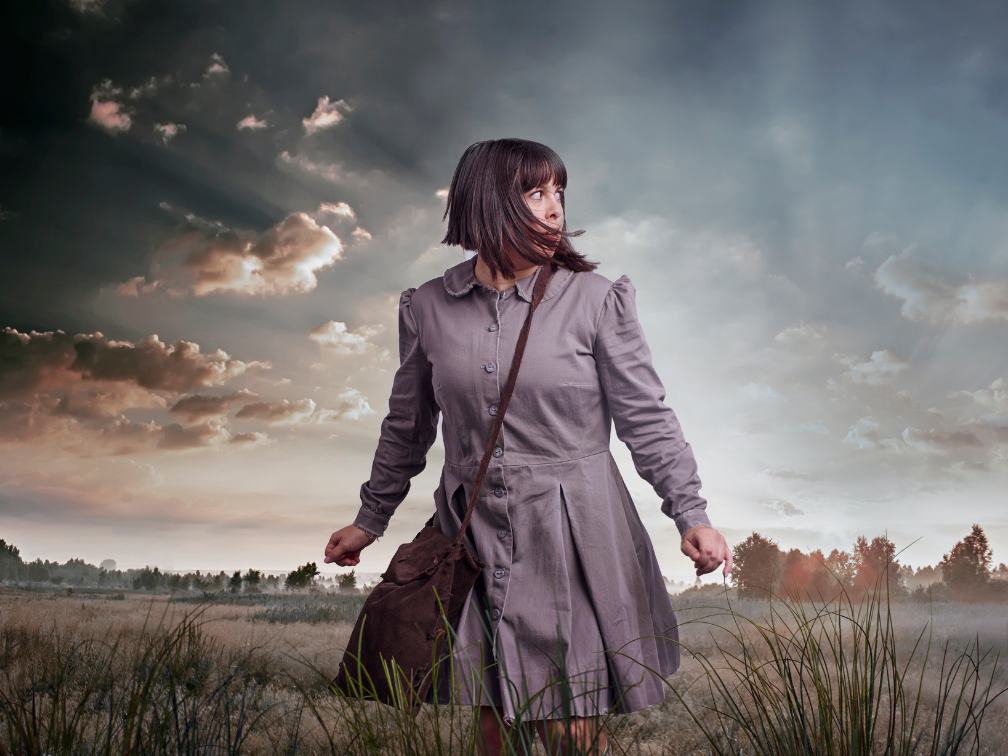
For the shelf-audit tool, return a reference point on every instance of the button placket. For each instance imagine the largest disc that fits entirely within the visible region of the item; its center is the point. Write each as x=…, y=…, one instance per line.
x=504, y=553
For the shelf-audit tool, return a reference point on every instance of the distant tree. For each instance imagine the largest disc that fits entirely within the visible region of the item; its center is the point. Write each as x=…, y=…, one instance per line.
x=9, y=551
x=967, y=566
x=148, y=579
x=348, y=582
x=252, y=577
x=1001, y=573
x=841, y=566
x=753, y=571
x=235, y=583
x=875, y=560
x=38, y=571
x=302, y=577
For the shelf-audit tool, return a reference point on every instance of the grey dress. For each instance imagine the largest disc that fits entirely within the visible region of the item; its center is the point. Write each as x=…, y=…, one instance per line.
x=571, y=588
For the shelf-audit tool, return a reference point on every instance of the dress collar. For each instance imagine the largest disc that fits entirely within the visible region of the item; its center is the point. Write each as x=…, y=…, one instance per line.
x=460, y=279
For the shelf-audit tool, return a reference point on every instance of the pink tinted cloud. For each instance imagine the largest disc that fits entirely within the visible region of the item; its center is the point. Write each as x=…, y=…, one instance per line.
x=216, y=260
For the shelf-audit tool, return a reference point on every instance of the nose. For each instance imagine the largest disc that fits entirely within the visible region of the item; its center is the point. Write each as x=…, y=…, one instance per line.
x=554, y=210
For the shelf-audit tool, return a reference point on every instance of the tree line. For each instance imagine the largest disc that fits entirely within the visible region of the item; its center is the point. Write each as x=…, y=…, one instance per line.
x=78, y=573
x=762, y=569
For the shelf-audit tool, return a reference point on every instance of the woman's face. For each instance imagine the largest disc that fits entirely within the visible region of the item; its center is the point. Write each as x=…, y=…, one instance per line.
x=545, y=203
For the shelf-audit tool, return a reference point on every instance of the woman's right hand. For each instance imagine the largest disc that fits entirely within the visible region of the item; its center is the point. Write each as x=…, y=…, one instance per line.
x=346, y=544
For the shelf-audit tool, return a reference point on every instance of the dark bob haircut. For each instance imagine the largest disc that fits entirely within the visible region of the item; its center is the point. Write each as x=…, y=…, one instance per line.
x=487, y=212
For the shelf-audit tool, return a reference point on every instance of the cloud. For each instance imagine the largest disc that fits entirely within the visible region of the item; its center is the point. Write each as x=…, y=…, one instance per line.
x=66, y=390
x=927, y=294
x=783, y=508
x=34, y=362
x=361, y=234
x=217, y=67
x=800, y=332
x=197, y=407
x=152, y=364
x=7, y=214
x=284, y=411
x=209, y=433
x=881, y=370
x=352, y=405
x=939, y=441
x=105, y=111
x=148, y=89
x=126, y=437
x=169, y=131
x=251, y=438
x=136, y=286
x=340, y=209
x=335, y=337
x=216, y=259
x=995, y=397
x=855, y=264
x=327, y=171
x=327, y=114
x=441, y=194
x=252, y=123
x=864, y=434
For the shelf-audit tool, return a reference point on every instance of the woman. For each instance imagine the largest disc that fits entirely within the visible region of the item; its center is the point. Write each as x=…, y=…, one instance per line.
x=572, y=618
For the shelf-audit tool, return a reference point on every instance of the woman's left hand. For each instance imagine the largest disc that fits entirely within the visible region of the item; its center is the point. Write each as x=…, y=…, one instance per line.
x=708, y=549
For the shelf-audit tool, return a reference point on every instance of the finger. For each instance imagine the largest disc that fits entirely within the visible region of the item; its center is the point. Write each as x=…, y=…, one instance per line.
x=690, y=550
x=729, y=563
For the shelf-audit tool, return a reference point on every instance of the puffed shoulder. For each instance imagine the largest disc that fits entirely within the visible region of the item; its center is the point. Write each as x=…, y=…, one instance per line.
x=408, y=331
x=406, y=299
x=620, y=301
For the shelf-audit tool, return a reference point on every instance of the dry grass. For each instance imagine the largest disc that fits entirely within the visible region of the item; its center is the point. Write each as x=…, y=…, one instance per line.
x=293, y=660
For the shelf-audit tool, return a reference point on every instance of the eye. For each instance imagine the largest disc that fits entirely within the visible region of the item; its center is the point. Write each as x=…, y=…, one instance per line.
x=537, y=194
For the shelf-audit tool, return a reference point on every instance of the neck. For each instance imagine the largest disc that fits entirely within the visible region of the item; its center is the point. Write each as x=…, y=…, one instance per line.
x=500, y=283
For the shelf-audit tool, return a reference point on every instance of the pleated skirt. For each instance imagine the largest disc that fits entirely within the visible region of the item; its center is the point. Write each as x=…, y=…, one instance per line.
x=568, y=677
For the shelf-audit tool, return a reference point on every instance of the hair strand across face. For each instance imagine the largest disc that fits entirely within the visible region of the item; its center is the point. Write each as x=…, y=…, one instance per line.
x=487, y=211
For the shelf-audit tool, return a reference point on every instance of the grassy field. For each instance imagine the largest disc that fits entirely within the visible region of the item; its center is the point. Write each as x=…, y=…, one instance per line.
x=131, y=673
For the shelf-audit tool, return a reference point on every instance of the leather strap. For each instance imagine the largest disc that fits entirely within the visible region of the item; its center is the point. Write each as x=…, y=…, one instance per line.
x=545, y=274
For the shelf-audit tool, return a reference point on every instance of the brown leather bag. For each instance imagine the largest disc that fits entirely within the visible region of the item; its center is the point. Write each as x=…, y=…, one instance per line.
x=401, y=631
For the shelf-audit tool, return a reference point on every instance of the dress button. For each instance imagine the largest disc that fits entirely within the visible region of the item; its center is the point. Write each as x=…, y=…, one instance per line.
x=498, y=451
x=492, y=327
x=502, y=534
x=498, y=573
x=498, y=492
x=490, y=367
x=492, y=409
x=496, y=614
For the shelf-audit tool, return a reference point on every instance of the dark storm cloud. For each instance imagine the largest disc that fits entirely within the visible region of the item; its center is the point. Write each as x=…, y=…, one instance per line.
x=153, y=364
x=58, y=388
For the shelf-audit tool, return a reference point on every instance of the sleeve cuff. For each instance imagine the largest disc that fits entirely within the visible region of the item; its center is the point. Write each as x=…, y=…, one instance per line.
x=371, y=522
x=691, y=519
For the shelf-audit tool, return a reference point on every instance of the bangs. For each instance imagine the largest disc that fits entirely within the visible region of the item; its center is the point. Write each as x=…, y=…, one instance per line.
x=487, y=210
x=539, y=166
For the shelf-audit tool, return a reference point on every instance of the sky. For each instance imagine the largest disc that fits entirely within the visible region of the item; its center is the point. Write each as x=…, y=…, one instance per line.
x=208, y=211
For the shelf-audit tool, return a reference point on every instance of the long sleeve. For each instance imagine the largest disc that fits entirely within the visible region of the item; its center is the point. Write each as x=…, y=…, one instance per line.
x=643, y=422
x=407, y=432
